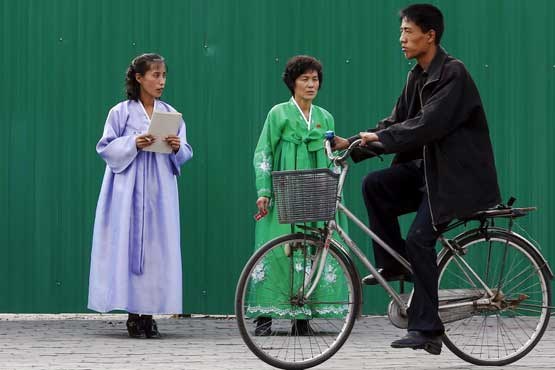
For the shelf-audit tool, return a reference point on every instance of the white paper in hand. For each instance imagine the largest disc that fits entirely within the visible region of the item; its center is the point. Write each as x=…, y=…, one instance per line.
x=162, y=124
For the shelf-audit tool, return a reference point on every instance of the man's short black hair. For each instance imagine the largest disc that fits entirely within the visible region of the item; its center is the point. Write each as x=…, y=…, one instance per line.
x=425, y=16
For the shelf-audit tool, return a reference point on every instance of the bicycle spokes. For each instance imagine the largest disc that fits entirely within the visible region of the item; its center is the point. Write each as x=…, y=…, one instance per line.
x=303, y=329
x=493, y=299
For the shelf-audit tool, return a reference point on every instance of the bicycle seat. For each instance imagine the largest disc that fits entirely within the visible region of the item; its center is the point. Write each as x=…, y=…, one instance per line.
x=499, y=211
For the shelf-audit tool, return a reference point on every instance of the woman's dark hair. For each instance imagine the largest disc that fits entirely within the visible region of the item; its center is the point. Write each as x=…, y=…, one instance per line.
x=425, y=16
x=140, y=65
x=298, y=65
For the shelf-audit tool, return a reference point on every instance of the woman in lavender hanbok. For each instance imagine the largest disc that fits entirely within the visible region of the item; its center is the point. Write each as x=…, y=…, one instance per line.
x=136, y=252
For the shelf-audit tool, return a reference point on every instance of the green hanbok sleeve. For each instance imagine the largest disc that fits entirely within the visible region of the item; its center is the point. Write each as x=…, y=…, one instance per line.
x=264, y=154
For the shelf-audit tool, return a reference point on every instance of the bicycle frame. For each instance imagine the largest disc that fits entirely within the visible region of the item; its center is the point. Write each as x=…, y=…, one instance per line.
x=333, y=226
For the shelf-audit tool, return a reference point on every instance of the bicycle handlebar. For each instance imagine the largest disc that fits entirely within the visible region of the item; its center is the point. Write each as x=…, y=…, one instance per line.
x=330, y=135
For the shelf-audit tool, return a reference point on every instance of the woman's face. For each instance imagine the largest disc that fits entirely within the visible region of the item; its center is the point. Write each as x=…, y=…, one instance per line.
x=307, y=85
x=153, y=81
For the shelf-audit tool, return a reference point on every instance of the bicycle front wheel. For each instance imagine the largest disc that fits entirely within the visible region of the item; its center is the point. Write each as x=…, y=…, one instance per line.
x=511, y=324
x=277, y=320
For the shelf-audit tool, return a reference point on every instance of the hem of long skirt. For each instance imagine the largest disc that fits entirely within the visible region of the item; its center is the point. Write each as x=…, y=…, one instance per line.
x=134, y=310
x=290, y=315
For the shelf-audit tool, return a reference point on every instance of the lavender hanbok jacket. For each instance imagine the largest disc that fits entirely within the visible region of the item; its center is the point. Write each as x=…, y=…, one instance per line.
x=136, y=252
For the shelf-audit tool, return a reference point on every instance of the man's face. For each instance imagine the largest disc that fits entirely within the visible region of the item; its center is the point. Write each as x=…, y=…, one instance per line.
x=414, y=42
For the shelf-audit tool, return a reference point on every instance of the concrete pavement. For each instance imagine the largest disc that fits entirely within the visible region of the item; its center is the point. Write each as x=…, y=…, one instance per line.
x=83, y=341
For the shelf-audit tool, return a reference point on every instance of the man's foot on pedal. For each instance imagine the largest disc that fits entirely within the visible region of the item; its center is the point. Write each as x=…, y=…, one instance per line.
x=263, y=326
x=420, y=340
x=388, y=275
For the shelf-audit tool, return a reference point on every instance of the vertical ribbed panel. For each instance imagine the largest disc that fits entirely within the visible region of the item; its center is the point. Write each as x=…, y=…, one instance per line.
x=63, y=65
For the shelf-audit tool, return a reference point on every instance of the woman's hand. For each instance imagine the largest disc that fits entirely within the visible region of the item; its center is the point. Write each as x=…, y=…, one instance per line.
x=368, y=137
x=262, y=203
x=142, y=141
x=173, y=141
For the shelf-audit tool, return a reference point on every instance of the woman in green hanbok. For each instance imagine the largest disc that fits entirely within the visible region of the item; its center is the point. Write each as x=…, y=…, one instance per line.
x=291, y=139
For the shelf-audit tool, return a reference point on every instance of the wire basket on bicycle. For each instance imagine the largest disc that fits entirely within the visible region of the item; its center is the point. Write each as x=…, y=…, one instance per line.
x=305, y=195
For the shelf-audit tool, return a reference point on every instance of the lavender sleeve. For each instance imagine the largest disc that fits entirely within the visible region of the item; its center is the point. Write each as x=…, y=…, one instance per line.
x=184, y=153
x=117, y=150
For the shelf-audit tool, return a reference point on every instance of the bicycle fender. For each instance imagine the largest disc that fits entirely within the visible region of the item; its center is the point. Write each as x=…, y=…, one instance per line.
x=512, y=233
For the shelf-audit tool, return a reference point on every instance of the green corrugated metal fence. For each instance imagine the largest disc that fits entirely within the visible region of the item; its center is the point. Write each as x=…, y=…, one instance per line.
x=63, y=63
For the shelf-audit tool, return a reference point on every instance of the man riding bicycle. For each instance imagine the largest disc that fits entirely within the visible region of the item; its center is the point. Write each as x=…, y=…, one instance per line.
x=443, y=168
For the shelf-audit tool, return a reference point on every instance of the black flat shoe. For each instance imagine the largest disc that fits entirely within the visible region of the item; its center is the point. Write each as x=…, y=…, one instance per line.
x=134, y=328
x=388, y=275
x=301, y=328
x=263, y=326
x=419, y=340
x=150, y=328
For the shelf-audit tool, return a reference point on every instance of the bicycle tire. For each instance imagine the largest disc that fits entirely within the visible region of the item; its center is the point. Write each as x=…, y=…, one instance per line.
x=527, y=296
x=323, y=332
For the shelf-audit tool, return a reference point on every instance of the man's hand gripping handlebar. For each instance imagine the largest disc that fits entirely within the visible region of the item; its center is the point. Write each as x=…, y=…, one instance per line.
x=340, y=158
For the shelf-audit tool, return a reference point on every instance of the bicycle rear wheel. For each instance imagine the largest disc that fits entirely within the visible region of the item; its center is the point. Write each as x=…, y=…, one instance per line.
x=274, y=284
x=505, y=330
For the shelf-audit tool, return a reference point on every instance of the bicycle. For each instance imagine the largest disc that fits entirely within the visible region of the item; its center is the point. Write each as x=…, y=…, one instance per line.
x=494, y=284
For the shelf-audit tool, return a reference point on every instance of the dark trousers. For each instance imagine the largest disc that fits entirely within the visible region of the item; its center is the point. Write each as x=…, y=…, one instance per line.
x=388, y=194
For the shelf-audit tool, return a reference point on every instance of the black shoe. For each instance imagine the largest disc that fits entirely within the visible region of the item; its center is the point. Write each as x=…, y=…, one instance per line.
x=301, y=327
x=134, y=328
x=150, y=327
x=388, y=275
x=263, y=326
x=419, y=340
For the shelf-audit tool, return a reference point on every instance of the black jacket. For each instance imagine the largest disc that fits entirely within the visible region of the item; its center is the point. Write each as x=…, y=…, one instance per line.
x=445, y=124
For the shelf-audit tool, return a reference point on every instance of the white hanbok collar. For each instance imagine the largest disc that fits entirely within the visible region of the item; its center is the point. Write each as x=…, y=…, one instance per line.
x=302, y=114
x=144, y=110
